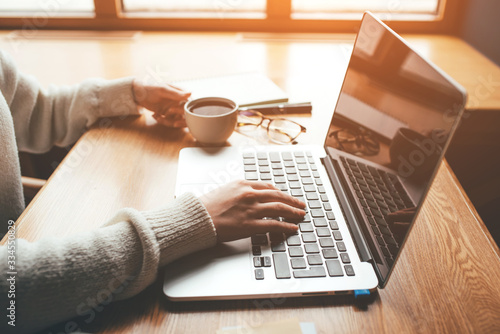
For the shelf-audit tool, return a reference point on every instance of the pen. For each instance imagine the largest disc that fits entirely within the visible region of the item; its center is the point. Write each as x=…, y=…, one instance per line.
x=282, y=108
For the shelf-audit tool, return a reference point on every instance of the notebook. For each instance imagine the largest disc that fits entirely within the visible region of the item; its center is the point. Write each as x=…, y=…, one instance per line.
x=246, y=89
x=363, y=191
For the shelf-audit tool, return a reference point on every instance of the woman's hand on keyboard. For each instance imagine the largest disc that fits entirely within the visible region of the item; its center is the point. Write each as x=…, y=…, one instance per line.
x=238, y=209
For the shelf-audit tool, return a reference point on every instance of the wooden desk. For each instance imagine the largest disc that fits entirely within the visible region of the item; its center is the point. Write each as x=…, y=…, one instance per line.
x=448, y=278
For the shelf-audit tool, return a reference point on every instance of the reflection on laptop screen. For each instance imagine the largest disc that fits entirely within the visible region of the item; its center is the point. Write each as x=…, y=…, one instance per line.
x=396, y=111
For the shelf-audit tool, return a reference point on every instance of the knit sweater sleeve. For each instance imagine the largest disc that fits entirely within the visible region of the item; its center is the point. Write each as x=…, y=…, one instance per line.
x=58, y=279
x=60, y=114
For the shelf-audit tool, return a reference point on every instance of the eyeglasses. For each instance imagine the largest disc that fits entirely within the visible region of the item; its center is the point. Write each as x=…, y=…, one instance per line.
x=358, y=142
x=279, y=130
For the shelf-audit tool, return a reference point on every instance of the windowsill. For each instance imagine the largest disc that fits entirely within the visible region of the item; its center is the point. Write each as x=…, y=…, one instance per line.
x=44, y=15
x=411, y=17
x=196, y=15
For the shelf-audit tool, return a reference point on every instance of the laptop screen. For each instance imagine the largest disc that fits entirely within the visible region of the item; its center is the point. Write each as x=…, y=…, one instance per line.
x=396, y=111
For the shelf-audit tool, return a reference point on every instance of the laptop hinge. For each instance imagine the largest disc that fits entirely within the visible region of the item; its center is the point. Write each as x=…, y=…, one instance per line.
x=361, y=245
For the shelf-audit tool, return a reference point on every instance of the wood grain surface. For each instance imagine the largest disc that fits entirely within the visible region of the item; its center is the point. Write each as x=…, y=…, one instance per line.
x=448, y=277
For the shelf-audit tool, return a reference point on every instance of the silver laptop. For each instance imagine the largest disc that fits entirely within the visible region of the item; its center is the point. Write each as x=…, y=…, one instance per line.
x=394, y=118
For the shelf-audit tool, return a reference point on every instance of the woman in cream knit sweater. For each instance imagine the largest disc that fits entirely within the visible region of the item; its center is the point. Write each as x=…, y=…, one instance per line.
x=54, y=276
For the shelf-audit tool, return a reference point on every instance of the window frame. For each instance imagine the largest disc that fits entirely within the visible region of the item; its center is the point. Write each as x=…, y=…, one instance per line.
x=109, y=15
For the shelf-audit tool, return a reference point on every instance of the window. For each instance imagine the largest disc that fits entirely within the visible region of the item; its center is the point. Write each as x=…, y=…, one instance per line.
x=424, y=16
x=198, y=8
x=49, y=7
x=359, y=6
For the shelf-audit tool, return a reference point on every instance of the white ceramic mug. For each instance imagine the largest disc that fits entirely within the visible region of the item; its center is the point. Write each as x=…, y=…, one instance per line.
x=211, y=120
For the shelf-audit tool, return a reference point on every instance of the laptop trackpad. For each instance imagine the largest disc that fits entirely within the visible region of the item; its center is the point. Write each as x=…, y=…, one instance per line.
x=204, y=169
x=209, y=270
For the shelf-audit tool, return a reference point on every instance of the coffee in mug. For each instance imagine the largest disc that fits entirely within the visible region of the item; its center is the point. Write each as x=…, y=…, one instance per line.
x=211, y=120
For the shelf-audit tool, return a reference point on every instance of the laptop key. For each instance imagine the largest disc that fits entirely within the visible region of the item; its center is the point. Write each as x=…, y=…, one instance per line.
x=290, y=170
x=276, y=165
x=278, y=172
x=274, y=157
x=309, y=188
x=248, y=155
x=314, y=204
x=311, y=248
x=262, y=155
x=308, y=237
x=296, y=192
x=320, y=222
x=306, y=227
x=251, y=176
x=289, y=164
x=327, y=206
x=380, y=241
x=304, y=173
x=249, y=161
x=330, y=253
x=256, y=250
x=263, y=163
x=316, y=213
x=295, y=251
x=287, y=156
x=324, y=197
x=279, y=179
x=381, y=221
x=333, y=225
x=312, y=196
x=330, y=215
x=393, y=249
x=390, y=240
x=281, y=186
x=317, y=271
x=281, y=268
x=300, y=160
x=266, y=261
x=259, y=274
x=298, y=154
x=334, y=268
x=384, y=230
x=257, y=262
x=259, y=239
x=278, y=247
x=293, y=240
x=250, y=168
x=323, y=232
x=375, y=230
x=302, y=166
x=266, y=176
x=326, y=242
x=349, y=270
x=298, y=263
x=345, y=258
x=264, y=169
x=292, y=177
x=307, y=180
x=341, y=246
x=385, y=251
x=314, y=260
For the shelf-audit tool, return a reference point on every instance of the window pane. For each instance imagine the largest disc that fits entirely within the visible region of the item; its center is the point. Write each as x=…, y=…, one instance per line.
x=196, y=7
x=51, y=8
x=359, y=6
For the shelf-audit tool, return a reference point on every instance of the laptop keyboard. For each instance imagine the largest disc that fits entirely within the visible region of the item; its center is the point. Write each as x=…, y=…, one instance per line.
x=317, y=249
x=379, y=193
